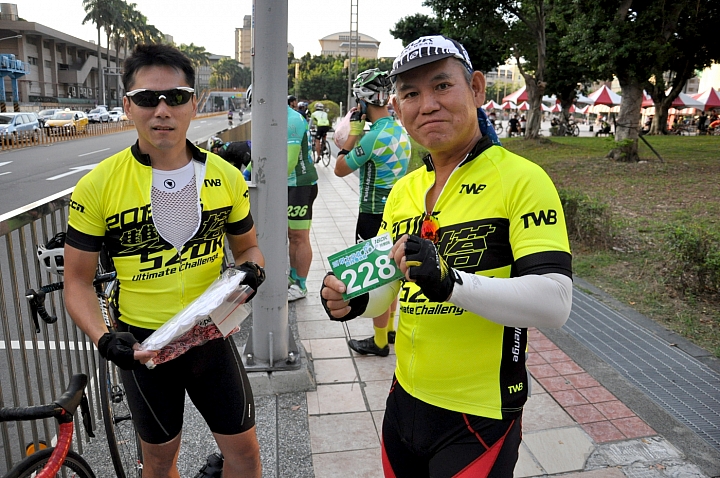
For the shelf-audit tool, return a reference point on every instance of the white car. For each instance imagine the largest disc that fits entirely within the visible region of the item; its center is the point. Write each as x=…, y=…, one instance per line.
x=99, y=115
x=115, y=116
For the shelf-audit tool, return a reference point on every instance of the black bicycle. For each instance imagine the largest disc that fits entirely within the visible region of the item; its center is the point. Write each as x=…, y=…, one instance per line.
x=60, y=459
x=123, y=441
x=324, y=155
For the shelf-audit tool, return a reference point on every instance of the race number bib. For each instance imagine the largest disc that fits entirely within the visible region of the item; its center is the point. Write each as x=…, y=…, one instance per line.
x=365, y=266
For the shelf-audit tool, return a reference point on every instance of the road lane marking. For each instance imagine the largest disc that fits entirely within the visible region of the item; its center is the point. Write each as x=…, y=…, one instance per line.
x=3, y=174
x=78, y=169
x=15, y=345
x=4, y=163
x=92, y=152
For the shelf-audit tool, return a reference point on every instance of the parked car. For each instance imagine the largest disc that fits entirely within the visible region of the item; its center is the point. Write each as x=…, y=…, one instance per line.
x=67, y=120
x=115, y=116
x=47, y=114
x=118, y=108
x=99, y=115
x=19, y=125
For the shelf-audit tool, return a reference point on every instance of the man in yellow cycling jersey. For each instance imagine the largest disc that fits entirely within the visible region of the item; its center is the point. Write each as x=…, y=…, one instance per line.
x=480, y=235
x=163, y=209
x=319, y=118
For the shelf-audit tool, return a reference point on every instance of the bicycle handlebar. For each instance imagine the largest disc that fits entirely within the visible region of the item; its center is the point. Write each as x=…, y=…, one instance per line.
x=63, y=406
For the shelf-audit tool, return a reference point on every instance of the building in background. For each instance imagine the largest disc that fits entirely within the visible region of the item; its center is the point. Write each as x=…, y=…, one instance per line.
x=243, y=42
x=339, y=44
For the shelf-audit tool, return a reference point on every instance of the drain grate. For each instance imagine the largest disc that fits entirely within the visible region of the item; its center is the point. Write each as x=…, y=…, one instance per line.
x=679, y=383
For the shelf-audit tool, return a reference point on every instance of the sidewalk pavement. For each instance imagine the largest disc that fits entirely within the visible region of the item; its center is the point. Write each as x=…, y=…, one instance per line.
x=572, y=423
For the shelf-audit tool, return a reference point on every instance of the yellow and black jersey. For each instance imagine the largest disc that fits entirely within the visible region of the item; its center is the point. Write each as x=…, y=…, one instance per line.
x=111, y=205
x=499, y=216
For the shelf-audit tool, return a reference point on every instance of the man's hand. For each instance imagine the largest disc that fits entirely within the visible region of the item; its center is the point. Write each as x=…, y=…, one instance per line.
x=121, y=348
x=335, y=306
x=419, y=260
x=254, y=276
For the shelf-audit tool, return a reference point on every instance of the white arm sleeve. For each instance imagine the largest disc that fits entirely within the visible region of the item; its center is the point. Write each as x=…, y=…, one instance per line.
x=380, y=299
x=527, y=301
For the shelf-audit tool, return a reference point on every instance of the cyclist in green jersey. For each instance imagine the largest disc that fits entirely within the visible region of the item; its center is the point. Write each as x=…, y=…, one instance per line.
x=480, y=235
x=302, y=191
x=382, y=156
x=320, y=120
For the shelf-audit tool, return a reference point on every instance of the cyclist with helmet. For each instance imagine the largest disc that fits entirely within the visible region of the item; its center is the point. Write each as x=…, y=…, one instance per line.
x=302, y=108
x=319, y=118
x=236, y=153
x=382, y=157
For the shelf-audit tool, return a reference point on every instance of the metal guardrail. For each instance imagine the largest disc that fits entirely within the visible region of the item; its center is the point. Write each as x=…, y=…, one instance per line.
x=36, y=367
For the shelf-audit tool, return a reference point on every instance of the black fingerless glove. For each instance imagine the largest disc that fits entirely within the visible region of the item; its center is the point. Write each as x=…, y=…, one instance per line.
x=430, y=271
x=357, y=304
x=254, y=276
x=117, y=347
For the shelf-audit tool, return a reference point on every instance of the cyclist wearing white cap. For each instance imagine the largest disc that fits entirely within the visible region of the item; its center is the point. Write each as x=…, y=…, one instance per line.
x=480, y=235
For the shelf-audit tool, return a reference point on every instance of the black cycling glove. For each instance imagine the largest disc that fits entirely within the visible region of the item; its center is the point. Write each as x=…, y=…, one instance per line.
x=357, y=304
x=254, y=276
x=430, y=271
x=117, y=347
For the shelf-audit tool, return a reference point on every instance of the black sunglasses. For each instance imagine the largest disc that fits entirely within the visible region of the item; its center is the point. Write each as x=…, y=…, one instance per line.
x=150, y=98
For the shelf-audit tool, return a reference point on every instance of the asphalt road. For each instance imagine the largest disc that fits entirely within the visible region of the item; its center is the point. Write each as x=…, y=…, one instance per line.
x=30, y=174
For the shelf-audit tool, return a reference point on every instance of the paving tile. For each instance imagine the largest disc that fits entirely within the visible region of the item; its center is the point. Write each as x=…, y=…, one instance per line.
x=585, y=413
x=604, y=473
x=376, y=392
x=559, y=450
x=535, y=387
x=320, y=329
x=567, y=368
x=335, y=370
x=568, y=398
x=342, y=432
x=553, y=384
x=597, y=394
x=582, y=380
x=602, y=432
x=310, y=311
x=526, y=464
x=534, y=358
x=372, y=367
x=349, y=464
x=542, y=371
x=378, y=416
x=543, y=345
x=633, y=427
x=336, y=398
x=328, y=348
x=614, y=409
x=552, y=356
x=542, y=412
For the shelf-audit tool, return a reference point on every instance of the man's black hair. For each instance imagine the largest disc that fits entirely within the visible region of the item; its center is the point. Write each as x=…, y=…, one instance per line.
x=155, y=54
x=291, y=99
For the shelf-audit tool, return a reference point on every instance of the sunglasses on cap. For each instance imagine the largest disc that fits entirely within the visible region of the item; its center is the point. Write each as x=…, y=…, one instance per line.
x=151, y=98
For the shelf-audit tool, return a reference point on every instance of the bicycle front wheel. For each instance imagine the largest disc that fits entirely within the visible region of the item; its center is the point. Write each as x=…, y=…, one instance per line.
x=74, y=465
x=326, y=153
x=576, y=131
x=122, y=438
x=499, y=129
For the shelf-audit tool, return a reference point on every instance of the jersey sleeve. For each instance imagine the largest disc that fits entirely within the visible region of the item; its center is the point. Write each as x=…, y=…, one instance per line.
x=538, y=234
x=362, y=152
x=86, y=223
x=240, y=220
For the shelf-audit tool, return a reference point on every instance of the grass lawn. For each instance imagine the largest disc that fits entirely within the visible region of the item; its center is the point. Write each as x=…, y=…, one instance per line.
x=647, y=200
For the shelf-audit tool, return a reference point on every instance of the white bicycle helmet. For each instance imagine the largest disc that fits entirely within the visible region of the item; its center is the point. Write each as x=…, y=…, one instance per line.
x=214, y=142
x=319, y=107
x=52, y=254
x=372, y=86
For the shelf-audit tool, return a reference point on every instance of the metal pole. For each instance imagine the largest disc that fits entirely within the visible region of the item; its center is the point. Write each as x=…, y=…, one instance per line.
x=267, y=347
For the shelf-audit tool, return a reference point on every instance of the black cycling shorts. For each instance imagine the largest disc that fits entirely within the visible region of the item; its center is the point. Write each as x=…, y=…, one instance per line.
x=422, y=440
x=300, y=202
x=215, y=380
x=368, y=226
x=321, y=132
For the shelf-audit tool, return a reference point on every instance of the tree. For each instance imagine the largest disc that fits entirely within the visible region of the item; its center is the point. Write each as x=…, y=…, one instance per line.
x=97, y=13
x=197, y=55
x=229, y=73
x=631, y=40
x=415, y=26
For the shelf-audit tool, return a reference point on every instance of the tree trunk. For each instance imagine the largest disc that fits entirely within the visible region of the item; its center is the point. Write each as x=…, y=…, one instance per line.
x=535, y=93
x=628, y=122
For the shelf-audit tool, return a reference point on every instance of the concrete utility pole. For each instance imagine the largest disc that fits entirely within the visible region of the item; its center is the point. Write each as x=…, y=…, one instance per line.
x=352, y=50
x=271, y=346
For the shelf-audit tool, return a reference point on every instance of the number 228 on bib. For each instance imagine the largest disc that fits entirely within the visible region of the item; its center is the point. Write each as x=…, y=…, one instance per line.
x=365, y=266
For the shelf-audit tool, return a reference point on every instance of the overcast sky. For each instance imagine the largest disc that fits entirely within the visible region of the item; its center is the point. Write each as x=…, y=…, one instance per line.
x=212, y=23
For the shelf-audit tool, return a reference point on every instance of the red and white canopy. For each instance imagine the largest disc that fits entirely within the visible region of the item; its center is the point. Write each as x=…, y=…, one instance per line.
x=518, y=96
x=605, y=96
x=557, y=108
x=583, y=110
x=524, y=106
x=710, y=99
x=508, y=105
x=682, y=101
x=491, y=105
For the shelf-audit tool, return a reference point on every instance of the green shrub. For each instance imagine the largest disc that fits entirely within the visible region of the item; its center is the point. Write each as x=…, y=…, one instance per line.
x=588, y=220
x=331, y=108
x=694, y=261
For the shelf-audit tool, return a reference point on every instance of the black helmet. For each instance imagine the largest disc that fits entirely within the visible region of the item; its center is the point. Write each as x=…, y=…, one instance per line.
x=215, y=142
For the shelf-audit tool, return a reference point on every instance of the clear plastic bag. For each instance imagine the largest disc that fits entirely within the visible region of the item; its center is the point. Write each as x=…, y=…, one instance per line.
x=217, y=313
x=342, y=130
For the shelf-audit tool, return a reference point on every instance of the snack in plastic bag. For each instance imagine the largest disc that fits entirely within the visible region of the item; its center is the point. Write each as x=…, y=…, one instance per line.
x=217, y=313
x=342, y=130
